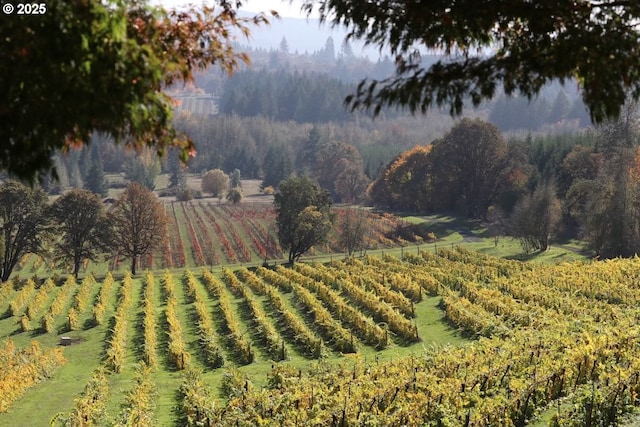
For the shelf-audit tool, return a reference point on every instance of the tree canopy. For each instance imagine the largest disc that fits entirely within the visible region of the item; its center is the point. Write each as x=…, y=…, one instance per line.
x=89, y=65
x=215, y=182
x=139, y=223
x=81, y=224
x=302, y=214
x=515, y=46
x=22, y=223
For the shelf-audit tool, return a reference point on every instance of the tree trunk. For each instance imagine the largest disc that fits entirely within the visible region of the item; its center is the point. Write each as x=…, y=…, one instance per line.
x=76, y=266
x=133, y=265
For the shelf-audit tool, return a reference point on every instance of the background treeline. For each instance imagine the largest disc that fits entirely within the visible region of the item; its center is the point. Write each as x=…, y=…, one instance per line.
x=258, y=147
x=584, y=185
x=305, y=86
x=283, y=96
x=283, y=117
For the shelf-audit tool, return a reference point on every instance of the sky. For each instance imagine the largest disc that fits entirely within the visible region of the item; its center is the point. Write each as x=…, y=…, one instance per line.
x=284, y=7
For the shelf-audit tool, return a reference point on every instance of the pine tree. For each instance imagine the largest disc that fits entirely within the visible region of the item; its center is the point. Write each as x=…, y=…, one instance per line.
x=96, y=180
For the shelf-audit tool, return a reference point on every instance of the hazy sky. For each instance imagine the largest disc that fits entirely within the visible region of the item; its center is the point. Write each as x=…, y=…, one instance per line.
x=284, y=7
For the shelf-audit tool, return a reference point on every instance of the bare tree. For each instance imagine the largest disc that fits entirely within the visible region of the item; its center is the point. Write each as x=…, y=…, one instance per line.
x=139, y=223
x=535, y=218
x=352, y=226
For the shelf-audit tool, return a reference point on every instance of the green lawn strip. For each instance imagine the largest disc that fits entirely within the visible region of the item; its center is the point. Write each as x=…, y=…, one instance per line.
x=510, y=248
x=41, y=403
x=244, y=327
x=445, y=227
x=166, y=379
x=98, y=269
x=433, y=328
x=189, y=327
x=120, y=383
x=167, y=385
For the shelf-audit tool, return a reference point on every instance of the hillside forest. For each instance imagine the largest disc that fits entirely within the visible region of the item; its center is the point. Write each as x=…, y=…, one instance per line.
x=504, y=159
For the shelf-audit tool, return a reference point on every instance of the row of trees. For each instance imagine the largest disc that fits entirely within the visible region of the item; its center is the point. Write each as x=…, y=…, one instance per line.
x=284, y=94
x=152, y=48
x=468, y=169
x=583, y=186
x=77, y=227
x=260, y=148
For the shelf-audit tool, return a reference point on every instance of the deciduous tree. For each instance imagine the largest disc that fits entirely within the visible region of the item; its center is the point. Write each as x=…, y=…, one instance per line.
x=139, y=223
x=103, y=66
x=351, y=183
x=515, y=47
x=81, y=227
x=22, y=223
x=303, y=215
x=405, y=182
x=333, y=159
x=235, y=195
x=611, y=217
x=471, y=160
x=352, y=227
x=215, y=182
x=536, y=217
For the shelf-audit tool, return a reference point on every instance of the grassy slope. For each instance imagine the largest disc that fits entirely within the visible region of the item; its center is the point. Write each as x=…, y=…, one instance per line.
x=57, y=394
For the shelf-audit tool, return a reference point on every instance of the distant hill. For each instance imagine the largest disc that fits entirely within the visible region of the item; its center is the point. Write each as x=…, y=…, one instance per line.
x=302, y=35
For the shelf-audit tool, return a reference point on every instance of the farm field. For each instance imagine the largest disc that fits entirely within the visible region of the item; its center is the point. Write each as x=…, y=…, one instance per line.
x=457, y=338
x=209, y=233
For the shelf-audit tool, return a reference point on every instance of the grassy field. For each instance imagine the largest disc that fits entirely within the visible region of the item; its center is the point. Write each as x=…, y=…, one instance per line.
x=246, y=230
